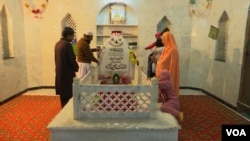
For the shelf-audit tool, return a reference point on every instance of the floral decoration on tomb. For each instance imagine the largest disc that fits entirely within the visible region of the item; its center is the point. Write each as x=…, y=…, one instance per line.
x=116, y=39
x=37, y=12
x=115, y=78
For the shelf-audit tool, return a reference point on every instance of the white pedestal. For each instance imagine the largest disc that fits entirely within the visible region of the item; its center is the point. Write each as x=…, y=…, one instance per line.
x=64, y=128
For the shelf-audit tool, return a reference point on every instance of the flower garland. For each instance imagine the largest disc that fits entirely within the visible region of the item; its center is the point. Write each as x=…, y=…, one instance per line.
x=132, y=58
x=37, y=11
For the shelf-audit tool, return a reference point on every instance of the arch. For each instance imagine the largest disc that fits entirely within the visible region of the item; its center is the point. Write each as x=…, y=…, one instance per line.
x=104, y=27
x=222, y=40
x=6, y=33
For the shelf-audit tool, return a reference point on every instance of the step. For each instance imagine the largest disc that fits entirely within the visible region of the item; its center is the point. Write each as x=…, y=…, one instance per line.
x=64, y=128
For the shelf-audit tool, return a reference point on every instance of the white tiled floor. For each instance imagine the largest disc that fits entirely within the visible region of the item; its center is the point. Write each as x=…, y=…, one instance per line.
x=52, y=92
x=41, y=92
x=190, y=92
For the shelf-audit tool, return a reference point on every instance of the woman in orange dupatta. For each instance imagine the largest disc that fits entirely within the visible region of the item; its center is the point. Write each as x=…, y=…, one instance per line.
x=169, y=60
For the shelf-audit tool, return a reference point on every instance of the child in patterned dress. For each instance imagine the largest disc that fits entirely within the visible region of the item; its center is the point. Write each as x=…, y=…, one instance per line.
x=170, y=101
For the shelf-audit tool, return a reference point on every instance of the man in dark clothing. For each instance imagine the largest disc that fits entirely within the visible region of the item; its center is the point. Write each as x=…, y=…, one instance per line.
x=66, y=65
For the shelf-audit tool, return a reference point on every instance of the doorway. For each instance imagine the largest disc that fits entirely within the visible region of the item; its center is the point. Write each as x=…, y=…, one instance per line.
x=243, y=104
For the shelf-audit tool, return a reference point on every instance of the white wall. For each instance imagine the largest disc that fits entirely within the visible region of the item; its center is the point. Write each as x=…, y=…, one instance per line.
x=221, y=79
x=13, y=72
x=85, y=14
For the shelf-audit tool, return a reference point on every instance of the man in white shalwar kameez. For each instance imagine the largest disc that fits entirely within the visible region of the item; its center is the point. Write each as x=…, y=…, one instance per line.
x=85, y=54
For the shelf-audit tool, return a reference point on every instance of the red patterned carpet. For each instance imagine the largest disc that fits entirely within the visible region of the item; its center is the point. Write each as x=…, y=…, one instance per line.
x=25, y=118
x=203, y=117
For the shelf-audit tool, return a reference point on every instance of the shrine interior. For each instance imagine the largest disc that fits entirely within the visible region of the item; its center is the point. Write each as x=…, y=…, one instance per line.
x=212, y=37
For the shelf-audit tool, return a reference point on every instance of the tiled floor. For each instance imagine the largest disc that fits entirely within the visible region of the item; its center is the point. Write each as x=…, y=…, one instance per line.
x=52, y=92
x=41, y=92
x=190, y=92
x=246, y=115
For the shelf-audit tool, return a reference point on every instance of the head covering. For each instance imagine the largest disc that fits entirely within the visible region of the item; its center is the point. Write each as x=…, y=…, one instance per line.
x=168, y=40
x=164, y=30
x=158, y=35
x=88, y=33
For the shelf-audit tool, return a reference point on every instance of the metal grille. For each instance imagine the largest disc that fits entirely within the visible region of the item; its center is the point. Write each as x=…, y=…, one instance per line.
x=70, y=23
x=162, y=24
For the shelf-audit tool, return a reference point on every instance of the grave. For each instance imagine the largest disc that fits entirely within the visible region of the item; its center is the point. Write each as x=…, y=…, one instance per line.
x=105, y=107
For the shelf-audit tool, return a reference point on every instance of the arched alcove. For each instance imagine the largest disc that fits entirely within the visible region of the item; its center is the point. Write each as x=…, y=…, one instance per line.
x=104, y=27
x=222, y=40
x=6, y=34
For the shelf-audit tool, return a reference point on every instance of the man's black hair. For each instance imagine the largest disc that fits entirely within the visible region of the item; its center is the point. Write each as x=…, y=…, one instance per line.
x=67, y=31
x=165, y=30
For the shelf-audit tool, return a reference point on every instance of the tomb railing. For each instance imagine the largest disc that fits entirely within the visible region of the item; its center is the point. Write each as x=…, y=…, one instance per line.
x=94, y=100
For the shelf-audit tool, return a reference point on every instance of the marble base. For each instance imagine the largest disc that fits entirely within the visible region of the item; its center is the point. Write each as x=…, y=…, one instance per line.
x=64, y=128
